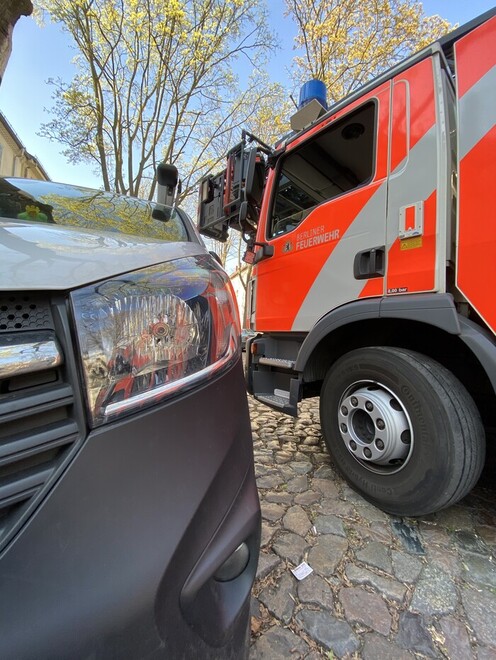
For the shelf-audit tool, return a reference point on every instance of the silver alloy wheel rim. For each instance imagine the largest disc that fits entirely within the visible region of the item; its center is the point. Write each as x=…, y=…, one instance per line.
x=375, y=427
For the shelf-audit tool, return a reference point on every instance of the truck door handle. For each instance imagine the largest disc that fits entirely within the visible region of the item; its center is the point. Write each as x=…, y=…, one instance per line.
x=369, y=263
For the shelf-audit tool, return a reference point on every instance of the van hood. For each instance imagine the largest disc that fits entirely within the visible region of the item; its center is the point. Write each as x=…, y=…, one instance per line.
x=39, y=257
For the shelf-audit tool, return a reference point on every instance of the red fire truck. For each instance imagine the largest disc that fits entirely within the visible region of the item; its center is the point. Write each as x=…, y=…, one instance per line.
x=372, y=233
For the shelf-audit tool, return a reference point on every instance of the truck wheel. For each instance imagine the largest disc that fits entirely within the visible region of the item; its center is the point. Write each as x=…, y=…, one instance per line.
x=402, y=429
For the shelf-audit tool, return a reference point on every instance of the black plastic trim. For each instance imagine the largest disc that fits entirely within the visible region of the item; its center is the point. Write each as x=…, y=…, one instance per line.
x=211, y=606
x=483, y=346
x=369, y=263
x=45, y=398
x=50, y=435
x=435, y=309
x=356, y=311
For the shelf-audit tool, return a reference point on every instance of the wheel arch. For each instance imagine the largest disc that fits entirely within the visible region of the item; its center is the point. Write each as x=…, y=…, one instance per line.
x=428, y=324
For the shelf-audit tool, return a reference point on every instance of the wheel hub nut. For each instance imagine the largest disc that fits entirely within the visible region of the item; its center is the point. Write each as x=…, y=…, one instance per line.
x=375, y=427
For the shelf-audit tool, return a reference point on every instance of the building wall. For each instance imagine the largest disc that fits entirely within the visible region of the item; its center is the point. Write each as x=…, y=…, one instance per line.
x=14, y=159
x=239, y=290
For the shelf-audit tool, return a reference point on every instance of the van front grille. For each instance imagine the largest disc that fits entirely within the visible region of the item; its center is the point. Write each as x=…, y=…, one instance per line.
x=24, y=311
x=37, y=425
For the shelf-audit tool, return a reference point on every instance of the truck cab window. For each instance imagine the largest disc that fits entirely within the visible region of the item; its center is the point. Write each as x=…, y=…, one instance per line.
x=336, y=161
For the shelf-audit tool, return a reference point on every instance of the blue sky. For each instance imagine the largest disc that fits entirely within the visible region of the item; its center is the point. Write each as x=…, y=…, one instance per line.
x=42, y=53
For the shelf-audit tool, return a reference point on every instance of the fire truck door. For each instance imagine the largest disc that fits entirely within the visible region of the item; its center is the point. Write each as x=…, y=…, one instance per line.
x=475, y=59
x=417, y=195
x=325, y=209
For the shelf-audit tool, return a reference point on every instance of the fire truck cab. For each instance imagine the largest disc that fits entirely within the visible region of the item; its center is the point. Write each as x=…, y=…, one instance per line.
x=372, y=233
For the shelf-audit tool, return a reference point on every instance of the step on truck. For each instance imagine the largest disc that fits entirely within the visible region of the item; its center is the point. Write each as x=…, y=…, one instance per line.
x=372, y=232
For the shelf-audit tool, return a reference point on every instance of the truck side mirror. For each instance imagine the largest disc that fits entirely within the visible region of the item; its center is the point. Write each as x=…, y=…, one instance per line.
x=206, y=190
x=255, y=178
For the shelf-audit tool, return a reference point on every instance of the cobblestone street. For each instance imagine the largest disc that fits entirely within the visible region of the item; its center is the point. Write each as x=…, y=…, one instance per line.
x=382, y=587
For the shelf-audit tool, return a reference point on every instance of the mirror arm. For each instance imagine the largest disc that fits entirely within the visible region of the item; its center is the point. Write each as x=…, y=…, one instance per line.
x=251, y=257
x=253, y=138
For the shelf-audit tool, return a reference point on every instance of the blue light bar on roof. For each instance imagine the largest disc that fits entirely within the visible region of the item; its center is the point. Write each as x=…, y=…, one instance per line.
x=313, y=89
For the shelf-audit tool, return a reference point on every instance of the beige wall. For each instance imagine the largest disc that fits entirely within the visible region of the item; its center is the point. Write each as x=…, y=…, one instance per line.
x=14, y=159
x=239, y=290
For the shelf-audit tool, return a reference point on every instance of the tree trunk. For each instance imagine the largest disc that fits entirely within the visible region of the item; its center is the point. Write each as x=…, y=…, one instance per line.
x=10, y=11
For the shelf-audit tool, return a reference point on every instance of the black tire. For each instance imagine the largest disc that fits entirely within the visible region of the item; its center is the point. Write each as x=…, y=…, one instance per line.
x=431, y=450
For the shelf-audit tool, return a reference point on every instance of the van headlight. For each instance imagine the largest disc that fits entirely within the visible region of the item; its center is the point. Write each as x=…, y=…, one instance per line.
x=153, y=333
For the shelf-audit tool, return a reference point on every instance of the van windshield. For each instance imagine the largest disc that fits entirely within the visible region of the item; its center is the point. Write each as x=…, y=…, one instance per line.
x=29, y=200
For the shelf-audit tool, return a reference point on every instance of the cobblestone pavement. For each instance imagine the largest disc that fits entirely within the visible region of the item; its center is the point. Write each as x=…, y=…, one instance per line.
x=382, y=587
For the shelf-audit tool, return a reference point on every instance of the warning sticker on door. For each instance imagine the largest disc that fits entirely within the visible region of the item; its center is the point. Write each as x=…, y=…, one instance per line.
x=411, y=243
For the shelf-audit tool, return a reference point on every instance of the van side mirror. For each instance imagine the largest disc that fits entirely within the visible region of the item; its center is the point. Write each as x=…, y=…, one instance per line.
x=168, y=184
